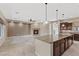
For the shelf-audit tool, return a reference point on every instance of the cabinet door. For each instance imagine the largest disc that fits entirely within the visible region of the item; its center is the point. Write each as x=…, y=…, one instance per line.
x=70, y=40
x=66, y=43
x=62, y=46
x=56, y=49
x=76, y=37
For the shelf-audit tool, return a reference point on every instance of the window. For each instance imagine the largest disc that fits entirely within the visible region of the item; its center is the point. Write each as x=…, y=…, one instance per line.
x=1, y=31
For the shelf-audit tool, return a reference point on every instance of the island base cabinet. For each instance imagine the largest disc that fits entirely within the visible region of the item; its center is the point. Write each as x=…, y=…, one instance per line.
x=60, y=46
x=76, y=37
x=56, y=49
x=70, y=41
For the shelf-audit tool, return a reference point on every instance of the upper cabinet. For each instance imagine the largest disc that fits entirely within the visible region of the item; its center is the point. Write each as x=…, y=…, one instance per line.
x=65, y=26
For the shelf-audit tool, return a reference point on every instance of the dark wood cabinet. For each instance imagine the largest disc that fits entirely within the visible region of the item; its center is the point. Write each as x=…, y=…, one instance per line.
x=70, y=40
x=56, y=48
x=65, y=26
x=76, y=37
x=66, y=43
x=60, y=46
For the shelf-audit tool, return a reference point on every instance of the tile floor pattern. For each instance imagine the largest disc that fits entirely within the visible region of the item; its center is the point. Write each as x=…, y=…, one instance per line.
x=9, y=48
x=73, y=50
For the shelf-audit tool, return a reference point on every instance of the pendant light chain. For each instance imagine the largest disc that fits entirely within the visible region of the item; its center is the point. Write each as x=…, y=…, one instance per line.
x=46, y=11
x=63, y=16
x=57, y=14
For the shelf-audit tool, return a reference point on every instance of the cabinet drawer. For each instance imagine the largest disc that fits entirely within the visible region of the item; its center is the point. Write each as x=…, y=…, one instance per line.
x=62, y=48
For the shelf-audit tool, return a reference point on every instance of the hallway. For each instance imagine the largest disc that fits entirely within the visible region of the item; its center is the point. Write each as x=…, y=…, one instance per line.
x=73, y=50
x=17, y=47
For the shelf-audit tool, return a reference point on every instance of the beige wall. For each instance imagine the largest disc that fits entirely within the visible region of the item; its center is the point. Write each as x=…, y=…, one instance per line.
x=16, y=30
x=43, y=29
x=75, y=23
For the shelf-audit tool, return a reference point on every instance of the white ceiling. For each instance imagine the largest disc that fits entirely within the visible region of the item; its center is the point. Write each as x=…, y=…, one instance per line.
x=36, y=11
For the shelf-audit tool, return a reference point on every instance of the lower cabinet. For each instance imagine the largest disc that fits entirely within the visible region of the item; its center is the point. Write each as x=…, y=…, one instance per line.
x=60, y=46
x=56, y=49
x=76, y=37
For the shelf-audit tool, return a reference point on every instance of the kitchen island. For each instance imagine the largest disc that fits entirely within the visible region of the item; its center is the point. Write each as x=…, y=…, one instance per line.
x=76, y=35
x=46, y=46
x=61, y=45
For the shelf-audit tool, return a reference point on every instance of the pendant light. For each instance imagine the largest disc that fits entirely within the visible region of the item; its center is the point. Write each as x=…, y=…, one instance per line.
x=62, y=16
x=63, y=25
x=46, y=22
x=57, y=14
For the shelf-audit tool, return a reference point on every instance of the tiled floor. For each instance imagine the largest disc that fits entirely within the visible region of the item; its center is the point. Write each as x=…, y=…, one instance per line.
x=12, y=47
x=73, y=50
x=20, y=46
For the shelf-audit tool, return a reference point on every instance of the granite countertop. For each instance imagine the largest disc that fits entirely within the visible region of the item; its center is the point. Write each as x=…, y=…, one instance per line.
x=45, y=38
x=63, y=36
x=49, y=38
x=75, y=32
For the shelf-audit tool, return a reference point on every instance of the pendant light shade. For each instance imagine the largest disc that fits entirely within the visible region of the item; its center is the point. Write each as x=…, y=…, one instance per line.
x=46, y=22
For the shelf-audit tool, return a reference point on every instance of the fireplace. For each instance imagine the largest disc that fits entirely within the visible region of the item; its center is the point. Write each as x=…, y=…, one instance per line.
x=35, y=31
